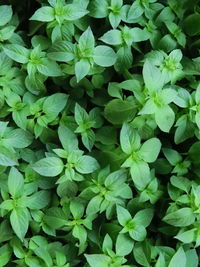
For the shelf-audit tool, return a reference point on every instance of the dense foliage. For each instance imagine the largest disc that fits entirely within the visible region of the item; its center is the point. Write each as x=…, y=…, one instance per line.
x=99, y=133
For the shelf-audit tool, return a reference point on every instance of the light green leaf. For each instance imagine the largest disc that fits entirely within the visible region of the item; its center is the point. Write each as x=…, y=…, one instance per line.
x=86, y=164
x=45, y=14
x=123, y=215
x=67, y=138
x=112, y=37
x=38, y=200
x=150, y=150
x=129, y=138
x=81, y=69
x=153, y=78
x=164, y=117
x=50, y=166
x=179, y=258
x=138, y=233
x=98, y=260
x=124, y=245
x=55, y=103
x=180, y=218
x=5, y=14
x=19, y=220
x=17, y=52
x=104, y=56
x=15, y=183
x=49, y=68
x=18, y=138
x=140, y=174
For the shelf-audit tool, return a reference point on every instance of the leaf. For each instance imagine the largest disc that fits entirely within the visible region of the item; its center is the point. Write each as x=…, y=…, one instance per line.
x=45, y=14
x=55, y=103
x=98, y=260
x=19, y=220
x=124, y=245
x=67, y=138
x=73, y=12
x=138, y=233
x=164, y=117
x=123, y=215
x=178, y=258
x=86, y=164
x=86, y=42
x=104, y=56
x=15, y=183
x=135, y=10
x=17, y=52
x=150, y=150
x=49, y=68
x=38, y=200
x=18, y=138
x=112, y=37
x=81, y=69
x=180, y=218
x=140, y=174
x=118, y=111
x=5, y=14
x=144, y=217
x=50, y=166
x=153, y=78
x=129, y=138
x=191, y=24
x=7, y=158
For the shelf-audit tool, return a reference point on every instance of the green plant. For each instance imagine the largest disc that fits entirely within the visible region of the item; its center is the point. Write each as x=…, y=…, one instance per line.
x=99, y=133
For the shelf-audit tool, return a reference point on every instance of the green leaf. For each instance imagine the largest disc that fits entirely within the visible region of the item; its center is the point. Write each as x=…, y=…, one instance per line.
x=135, y=10
x=144, y=217
x=112, y=37
x=5, y=14
x=118, y=111
x=73, y=12
x=49, y=68
x=67, y=138
x=138, y=233
x=55, y=103
x=129, y=138
x=45, y=14
x=178, y=258
x=140, y=174
x=191, y=24
x=7, y=158
x=86, y=43
x=15, y=183
x=153, y=78
x=180, y=218
x=164, y=117
x=81, y=69
x=123, y=215
x=50, y=166
x=17, y=52
x=38, y=200
x=104, y=56
x=18, y=138
x=19, y=220
x=124, y=245
x=98, y=260
x=150, y=150
x=86, y=164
